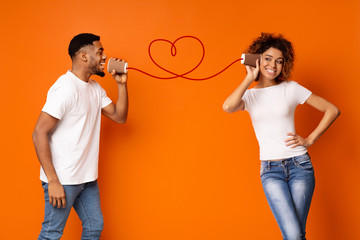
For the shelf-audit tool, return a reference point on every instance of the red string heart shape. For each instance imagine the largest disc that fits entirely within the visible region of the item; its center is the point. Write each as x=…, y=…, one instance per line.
x=173, y=53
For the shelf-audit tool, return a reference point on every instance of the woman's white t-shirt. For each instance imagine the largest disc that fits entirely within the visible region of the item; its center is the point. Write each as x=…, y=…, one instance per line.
x=74, y=143
x=272, y=114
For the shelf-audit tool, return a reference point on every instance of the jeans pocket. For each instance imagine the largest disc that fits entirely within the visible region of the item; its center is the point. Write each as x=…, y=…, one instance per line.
x=263, y=169
x=44, y=185
x=304, y=162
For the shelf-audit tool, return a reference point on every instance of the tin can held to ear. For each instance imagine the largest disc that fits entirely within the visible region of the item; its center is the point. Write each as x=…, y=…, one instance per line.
x=249, y=59
x=119, y=66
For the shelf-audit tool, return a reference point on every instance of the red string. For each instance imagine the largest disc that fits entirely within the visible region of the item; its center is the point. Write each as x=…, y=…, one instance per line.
x=173, y=53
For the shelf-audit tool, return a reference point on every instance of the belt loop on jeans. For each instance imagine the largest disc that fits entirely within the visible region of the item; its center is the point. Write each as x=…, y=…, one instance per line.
x=268, y=165
x=293, y=160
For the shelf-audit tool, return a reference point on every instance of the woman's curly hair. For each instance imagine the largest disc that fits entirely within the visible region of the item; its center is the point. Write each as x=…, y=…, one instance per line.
x=268, y=40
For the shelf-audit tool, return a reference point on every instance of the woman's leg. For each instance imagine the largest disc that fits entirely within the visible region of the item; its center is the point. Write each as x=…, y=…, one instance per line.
x=278, y=194
x=302, y=184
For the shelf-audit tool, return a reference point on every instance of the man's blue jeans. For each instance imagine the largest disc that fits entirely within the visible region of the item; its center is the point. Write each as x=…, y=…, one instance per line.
x=289, y=185
x=86, y=201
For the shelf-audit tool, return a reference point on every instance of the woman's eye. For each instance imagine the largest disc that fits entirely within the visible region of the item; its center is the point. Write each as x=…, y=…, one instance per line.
x=279, y=62
x=267, y=59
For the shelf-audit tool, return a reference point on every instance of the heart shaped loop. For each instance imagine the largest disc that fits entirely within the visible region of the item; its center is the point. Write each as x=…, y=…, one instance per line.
x=174, y=52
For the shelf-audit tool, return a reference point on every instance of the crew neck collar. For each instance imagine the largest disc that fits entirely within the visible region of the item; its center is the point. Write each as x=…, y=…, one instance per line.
x=73, y=76
x=272, y=86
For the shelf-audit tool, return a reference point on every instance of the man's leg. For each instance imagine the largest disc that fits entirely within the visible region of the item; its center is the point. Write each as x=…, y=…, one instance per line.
x=87, y=206
x=55, y=218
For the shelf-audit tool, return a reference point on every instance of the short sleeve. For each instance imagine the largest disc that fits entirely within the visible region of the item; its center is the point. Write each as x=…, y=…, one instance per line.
x=245, y=98
x=59, y=101
x=301, y=93
x=105, y=100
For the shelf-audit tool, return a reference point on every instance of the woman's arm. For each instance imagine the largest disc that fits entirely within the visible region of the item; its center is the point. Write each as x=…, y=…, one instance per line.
x=234, y=102
x=331, y=112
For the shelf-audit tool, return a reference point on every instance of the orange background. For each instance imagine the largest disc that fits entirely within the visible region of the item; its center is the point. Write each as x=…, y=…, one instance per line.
x=181, y=168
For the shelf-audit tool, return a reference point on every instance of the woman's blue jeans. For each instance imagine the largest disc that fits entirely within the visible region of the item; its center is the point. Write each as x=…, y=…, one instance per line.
x=289, y=185
x=85, y=199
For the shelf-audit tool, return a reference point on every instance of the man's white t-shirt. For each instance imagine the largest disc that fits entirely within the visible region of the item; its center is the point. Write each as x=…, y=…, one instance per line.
x=272, y=114
x=75, y=141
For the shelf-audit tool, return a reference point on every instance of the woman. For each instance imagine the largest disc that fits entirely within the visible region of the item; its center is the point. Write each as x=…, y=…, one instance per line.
x=287, y=174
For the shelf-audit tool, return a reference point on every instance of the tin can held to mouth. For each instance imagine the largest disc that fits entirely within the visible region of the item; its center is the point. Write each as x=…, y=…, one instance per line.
x=119, y=66
x=249, y=59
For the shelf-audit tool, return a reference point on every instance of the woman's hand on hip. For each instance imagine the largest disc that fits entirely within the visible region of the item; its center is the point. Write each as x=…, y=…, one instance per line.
x=293, y=140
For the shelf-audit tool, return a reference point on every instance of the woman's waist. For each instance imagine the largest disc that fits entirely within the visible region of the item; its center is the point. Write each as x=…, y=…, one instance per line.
x=280, y=153
x=281, y=161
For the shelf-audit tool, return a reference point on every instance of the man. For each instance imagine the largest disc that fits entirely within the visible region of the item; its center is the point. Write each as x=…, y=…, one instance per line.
x=66, y=139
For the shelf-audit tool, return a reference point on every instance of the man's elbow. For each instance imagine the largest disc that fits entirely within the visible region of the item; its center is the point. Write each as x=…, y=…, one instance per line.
x=121, y=120
x=35, y=136
x=39, y=135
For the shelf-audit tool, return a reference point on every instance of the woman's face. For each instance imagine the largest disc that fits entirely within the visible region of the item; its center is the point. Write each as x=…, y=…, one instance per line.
x=271, y=64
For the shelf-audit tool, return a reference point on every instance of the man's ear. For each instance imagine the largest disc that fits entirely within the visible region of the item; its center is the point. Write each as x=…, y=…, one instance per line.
x=83, y=56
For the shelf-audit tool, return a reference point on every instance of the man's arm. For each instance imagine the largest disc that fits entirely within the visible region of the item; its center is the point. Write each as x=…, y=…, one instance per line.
x=43, y=129
x=118, y=112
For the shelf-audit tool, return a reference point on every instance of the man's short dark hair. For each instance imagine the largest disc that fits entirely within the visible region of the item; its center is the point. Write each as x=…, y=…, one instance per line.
x=80, y=41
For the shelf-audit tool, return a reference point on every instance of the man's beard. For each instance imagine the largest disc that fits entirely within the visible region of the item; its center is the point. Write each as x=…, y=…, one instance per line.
x=100, y=73
x=95, y=70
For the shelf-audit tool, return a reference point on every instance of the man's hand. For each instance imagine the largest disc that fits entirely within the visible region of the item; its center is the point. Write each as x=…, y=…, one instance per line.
x=119, y=77
x=56, y=194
